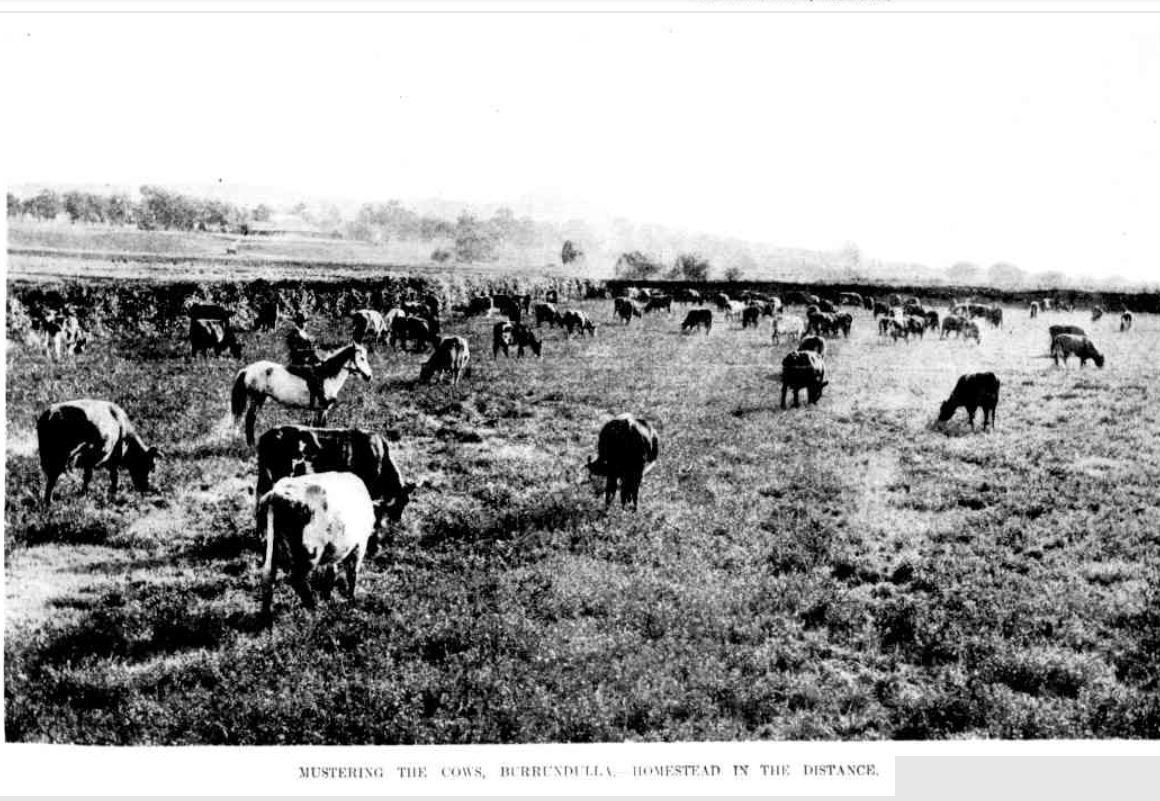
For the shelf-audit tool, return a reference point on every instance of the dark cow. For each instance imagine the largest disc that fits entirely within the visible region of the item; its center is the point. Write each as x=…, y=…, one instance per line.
x=894, y=300
x=578, y=321
x=688, y=296
x=803, y=369
x=502, y=335
x=822, y=323
x=1126, y=320
x=547, y=313
x=1034, y=309
x=1066, y=345
x=627, y=309
x=294, y=450
x=813, y=343
x=525, y=337
x=698, y=318
x=915, y=326
x=952, y=322
x=268, y=313
x=209, y=311
x=450, y=358
x=881, y=309
x=405, y=330
x=658, y=303
x=827, y=306
x=552, y=296
x=750, y=316
x=509, y=306
x=994, y=315
x=1097, y=313
x=215, y=334
x=932, y=319
x=849, y=299
x=1056, y=330
x=480, y=305
x=971, y=392
x=626, y=451
x=722, y=301
x=844, y=322
x=868, y=303
x=91, y=434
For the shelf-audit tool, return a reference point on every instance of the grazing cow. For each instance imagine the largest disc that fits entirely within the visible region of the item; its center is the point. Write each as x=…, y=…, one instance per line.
x=1066, y=345
x=915, y=326
x=216, y=334
x=688, y=296
x=547, y=313
x=844, y=322
x=849, y=299
x=1034, y=309
x=415, y=330
x=822, y=323
x=91, y=434
x=479, y=305
x=525, y=337
x=884, y=326
x=733, y=309
x=994, y=316
x=970, y=330
x=209, y=311
x=268, y=313
x=578, y=321
x=320, y=519
x=1097, y=313
x=698, y=318
x=1056, y=330
x=502, y=335
x=952, y=322
x=626, y=451
x=450, y=358
x=827, y=306
x=1126, y=320
x=509, y=305
x=659, y=302
x=803, y=369
x=750, y=316
x=627, y=309
x=868, y=303
x=797, y=298
x=881, y=309
x=368, y=324
x=301, y=347
x=972, y=391
x=789, y=327
x=722, y=301
x=815, y=344
x=294, y=450
x=932, y=319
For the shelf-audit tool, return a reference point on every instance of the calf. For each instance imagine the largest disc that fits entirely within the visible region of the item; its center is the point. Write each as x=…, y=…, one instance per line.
x=627, y=309
x=578, y=321
x=524, y=336
x=450, y=358
x=800, y=370
x=501, y=338
x=1066, y=345
x=1126, y=320
x=323, y=519
x=626, y=451
x=215, y=334
x=789, y=327
x=750, y=316
x=295, y=450
x=698, y=318
x=91, y=434
x=413, y=330
x=970, y=392
x=915, y=326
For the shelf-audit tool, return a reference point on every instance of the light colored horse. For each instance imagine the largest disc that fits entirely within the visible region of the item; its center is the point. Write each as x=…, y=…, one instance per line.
x=265, y=379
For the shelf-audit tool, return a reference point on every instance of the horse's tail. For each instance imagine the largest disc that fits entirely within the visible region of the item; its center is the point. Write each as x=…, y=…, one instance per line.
x=238, y=397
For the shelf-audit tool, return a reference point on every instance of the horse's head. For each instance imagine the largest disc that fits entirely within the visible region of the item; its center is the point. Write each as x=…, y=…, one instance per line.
x=359, y=363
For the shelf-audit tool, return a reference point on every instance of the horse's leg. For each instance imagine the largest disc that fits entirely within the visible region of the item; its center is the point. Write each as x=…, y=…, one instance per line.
x=255, y=403
x=88, y=478
x=112, y=479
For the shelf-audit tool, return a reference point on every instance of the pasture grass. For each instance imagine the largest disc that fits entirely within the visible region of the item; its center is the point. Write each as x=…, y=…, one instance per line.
x=844, y=571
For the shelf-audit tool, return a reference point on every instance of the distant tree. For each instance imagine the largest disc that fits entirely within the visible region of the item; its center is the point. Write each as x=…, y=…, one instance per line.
x=13, y=205
x=851, y=257
x=963, y=272
x=637, y=266
x=1004, y=274
x=691, y=267
x=435, y=228
x=44, y=206
x=474, y=240
x=440, y=255
x=1050, y=279
x=570, y=252
x=162, y=209
x=261, y=213
x=733, y=273
x=119, y=209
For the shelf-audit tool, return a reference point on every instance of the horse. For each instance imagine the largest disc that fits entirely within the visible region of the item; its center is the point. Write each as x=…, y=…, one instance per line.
x=299, y=386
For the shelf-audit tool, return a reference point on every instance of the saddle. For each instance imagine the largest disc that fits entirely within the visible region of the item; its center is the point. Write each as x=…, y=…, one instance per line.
x=309, y=374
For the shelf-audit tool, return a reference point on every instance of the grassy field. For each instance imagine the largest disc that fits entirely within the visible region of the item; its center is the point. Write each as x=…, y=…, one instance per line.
x=835, y=572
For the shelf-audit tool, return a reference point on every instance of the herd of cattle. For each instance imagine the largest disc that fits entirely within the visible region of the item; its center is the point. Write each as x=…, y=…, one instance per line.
x=323, y=492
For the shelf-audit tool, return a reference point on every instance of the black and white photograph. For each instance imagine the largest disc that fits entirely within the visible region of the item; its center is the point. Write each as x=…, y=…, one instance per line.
x=694, y=373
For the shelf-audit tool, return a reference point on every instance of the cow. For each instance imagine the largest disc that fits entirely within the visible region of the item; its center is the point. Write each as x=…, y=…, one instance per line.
x=547, y=313
x=687, y=296
x=552, y=296
x=734, y=309
x=479, y=305
x=268, y=313
x=502, y=335
x=849, y=299
x=894, y=300
x=209, y=311
x=803, y=369
x=722, y=301
x=215, y=334
x=450, y=358
x=658, y=303
x=525, y=337
x=415, y=330
x=970, y=392
x=868, y=303
x=368, y=325
x=313, y=520
x=844, y=322
x=797, y=298
x=787, y=326
x=970, y=330
x=1055, y=330
x=885, y=325
x=1066, y=345
x=627, y=450
x=750, y=316
x=60, y=336
x=627, y=309
x=814, y=344
x=1034, y=309
x=952, y=322
x=510, y=306
x=881, y=309
x=698, y=318
x=431, y=301
x=578, y=321
x=827, y=306
x=821, y=323
x=294, y=450
x=1097, y=313
x=932, y=319
x=91, y=434
x=915, y=326
x=1126, y=320
x=301, y=347
x=994, y=316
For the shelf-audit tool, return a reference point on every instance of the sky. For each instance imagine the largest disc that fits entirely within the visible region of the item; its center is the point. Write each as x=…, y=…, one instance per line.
x=930, y=138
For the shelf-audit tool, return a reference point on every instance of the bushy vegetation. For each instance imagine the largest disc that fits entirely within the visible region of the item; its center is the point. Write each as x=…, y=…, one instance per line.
x=835, y=572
